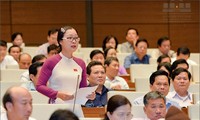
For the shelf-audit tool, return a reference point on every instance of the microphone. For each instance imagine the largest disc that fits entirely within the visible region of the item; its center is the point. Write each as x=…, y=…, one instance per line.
x=77, y=87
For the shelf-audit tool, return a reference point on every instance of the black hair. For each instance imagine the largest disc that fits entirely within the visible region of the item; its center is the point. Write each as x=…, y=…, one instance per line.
x=114, y=102
x=3, y=43
x=141, y=40
x=180, y=70
x=177, y=62
x=106, y=51
x=7, y=98
x=109, y=60
x=166, y=65
x=38, y=57
x=33, y=68
x=160, y=58
x=132, y=29
x=161, y=40
x=107, y=39
x=52, y=31
x=52, y=47
x=9, y=50
x=94, y=52
x=158, y=73
x=14, y=35
x=184, y=50
x=63, y=114
x=91, y=64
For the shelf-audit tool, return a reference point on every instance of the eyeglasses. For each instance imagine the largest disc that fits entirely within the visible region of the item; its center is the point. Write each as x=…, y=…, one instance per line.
x=71, y=39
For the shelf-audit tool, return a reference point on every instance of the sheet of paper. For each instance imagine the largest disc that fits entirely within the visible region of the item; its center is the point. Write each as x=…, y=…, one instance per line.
x=81, y=95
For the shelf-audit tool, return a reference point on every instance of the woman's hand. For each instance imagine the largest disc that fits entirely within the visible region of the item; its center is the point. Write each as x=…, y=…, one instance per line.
x=91, y=96
x=64, y=96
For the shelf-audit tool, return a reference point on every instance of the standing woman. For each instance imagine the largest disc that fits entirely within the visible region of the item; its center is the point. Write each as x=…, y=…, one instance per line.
x=63, y=72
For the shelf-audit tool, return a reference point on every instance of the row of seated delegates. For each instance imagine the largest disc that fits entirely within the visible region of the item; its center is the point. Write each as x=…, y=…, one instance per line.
x=113, y=81
x=17, y=104
x=111, y=52
x=17, y=39
x=140, y=55
x=37, y=58
x=159, y=81
x=164, y=48
x=96, y=76
x=4, y=58
x=63, y=72
x=15, y=52
x=52, y=39
x=132, y=35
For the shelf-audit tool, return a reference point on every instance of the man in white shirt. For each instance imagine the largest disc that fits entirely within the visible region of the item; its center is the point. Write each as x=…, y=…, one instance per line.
x=164, y=48
x=181, y=82
x=113, y=81
x=132, y=36
x=5, y=59
x=17, y=102
x=52, y=39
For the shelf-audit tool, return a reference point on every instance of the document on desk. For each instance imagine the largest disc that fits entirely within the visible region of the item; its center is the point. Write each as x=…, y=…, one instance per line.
x=80, y=96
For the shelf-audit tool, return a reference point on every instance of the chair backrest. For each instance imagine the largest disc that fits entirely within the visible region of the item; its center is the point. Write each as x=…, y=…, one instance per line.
x=130, y=95
x=121, y=57
x=153, y=61
x=30, y=50
x=90, y=119
x=44, y=111
x=39, y=98
x=149, y=50
x=142, y=84
x=195, y=57
x=195, y=73
x=196, y=98
x=80, y=55
x=194, y=88
x=7, y=84
x=193, y=112
x=141, y=70
x=12, y=66
x=138, y=112
x=11, y=74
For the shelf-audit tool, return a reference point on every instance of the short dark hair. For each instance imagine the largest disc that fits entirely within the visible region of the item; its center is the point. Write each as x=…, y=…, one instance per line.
x=180, y=70
x=166, y=65
x=184, y=50
x=9, y=50
x=7, y=97
x=107, y=39
x=38, y=57
x=109, y=60
x=63, y=114
x=132, y=29
x=177, y=62
x=94, y=52
x=52, y=31
x=158, y=73
x=141, y=40
x=52, y=47
x=161, y=40
x=153, y=95
x=3, y=43
x=33, y=68
x=115, y=102
x=160, y=58
x=14, y=35
x=91, y=64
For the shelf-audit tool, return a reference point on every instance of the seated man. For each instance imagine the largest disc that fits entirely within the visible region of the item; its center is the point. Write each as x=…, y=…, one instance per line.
x=15, y=51
x=96, y=76
x=180, y=63
x=17, y=102
x=181, y=82
x=164, y=48
x=24, y=61
x=139, y=56
x=34, y=71
x=5, y=59
x=52, y=50
x=97, y=55
x=113, y=81
x=154, y=106
x=159, y=81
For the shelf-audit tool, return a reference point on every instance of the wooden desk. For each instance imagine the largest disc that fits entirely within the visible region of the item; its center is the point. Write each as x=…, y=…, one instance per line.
x=94, y=112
